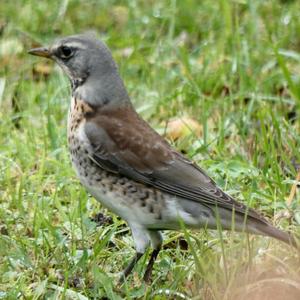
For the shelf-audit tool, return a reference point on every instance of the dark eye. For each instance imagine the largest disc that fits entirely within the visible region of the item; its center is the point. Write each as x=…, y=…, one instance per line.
x=66, y=52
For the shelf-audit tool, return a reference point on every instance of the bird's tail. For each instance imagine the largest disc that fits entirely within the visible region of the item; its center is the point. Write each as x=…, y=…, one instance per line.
x=259, y=227
x=269, y=230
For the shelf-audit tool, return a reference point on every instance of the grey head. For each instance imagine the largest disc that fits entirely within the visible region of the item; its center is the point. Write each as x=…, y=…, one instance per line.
x=90, y=67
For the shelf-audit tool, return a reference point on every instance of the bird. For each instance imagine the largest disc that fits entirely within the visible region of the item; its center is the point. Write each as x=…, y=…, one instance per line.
x=132, y=170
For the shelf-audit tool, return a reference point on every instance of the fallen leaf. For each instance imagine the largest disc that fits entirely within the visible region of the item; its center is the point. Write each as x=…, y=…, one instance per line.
x=120, y=15
x=183, y=127
x=292, y=194
x=42, y=70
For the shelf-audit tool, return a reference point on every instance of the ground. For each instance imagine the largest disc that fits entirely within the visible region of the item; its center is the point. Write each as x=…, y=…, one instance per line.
x=233, y=67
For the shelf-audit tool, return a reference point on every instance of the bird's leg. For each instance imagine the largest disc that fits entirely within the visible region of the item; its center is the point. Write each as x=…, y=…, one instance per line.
x=148, y=274
x=130, y=266
x=141, y=239
x=156, y=240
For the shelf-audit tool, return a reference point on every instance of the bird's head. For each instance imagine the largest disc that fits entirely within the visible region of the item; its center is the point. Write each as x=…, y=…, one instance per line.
x=90, y=67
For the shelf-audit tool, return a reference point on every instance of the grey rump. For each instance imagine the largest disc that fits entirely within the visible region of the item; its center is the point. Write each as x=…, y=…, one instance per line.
x=128, y=167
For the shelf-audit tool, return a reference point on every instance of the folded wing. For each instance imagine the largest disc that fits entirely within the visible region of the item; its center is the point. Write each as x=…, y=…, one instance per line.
x=123, y=143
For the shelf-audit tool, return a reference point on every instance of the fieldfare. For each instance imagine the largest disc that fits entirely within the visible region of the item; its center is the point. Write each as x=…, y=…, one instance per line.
x=130, y=168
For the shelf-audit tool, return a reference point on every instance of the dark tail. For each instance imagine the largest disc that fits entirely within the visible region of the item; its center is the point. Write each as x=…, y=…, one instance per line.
x=269, y=230
x=254, y=224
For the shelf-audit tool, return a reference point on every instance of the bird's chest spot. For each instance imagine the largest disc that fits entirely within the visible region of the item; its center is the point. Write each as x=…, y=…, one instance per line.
x=75, y=123
x=77, y=113
x=79, y=146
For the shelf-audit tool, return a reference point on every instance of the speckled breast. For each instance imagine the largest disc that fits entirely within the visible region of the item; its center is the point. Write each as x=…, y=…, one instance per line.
x=118, y=193
x=87, y=170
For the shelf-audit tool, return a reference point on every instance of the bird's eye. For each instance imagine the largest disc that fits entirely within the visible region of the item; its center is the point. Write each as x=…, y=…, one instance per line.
x=66, y=52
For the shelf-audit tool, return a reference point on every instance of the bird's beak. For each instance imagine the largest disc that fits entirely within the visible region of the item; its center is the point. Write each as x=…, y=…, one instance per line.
x=43, y=51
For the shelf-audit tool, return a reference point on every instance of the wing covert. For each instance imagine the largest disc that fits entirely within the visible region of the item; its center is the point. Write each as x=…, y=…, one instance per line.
x=123, y=143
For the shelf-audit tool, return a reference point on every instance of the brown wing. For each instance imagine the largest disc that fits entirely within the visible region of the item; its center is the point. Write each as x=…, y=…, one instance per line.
x=126, y=144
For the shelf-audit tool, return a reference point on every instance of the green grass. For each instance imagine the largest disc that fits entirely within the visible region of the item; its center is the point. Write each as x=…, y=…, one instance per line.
x=233, y=66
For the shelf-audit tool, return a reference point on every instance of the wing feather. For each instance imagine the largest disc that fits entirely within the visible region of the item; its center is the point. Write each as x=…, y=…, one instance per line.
x=123, y=143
